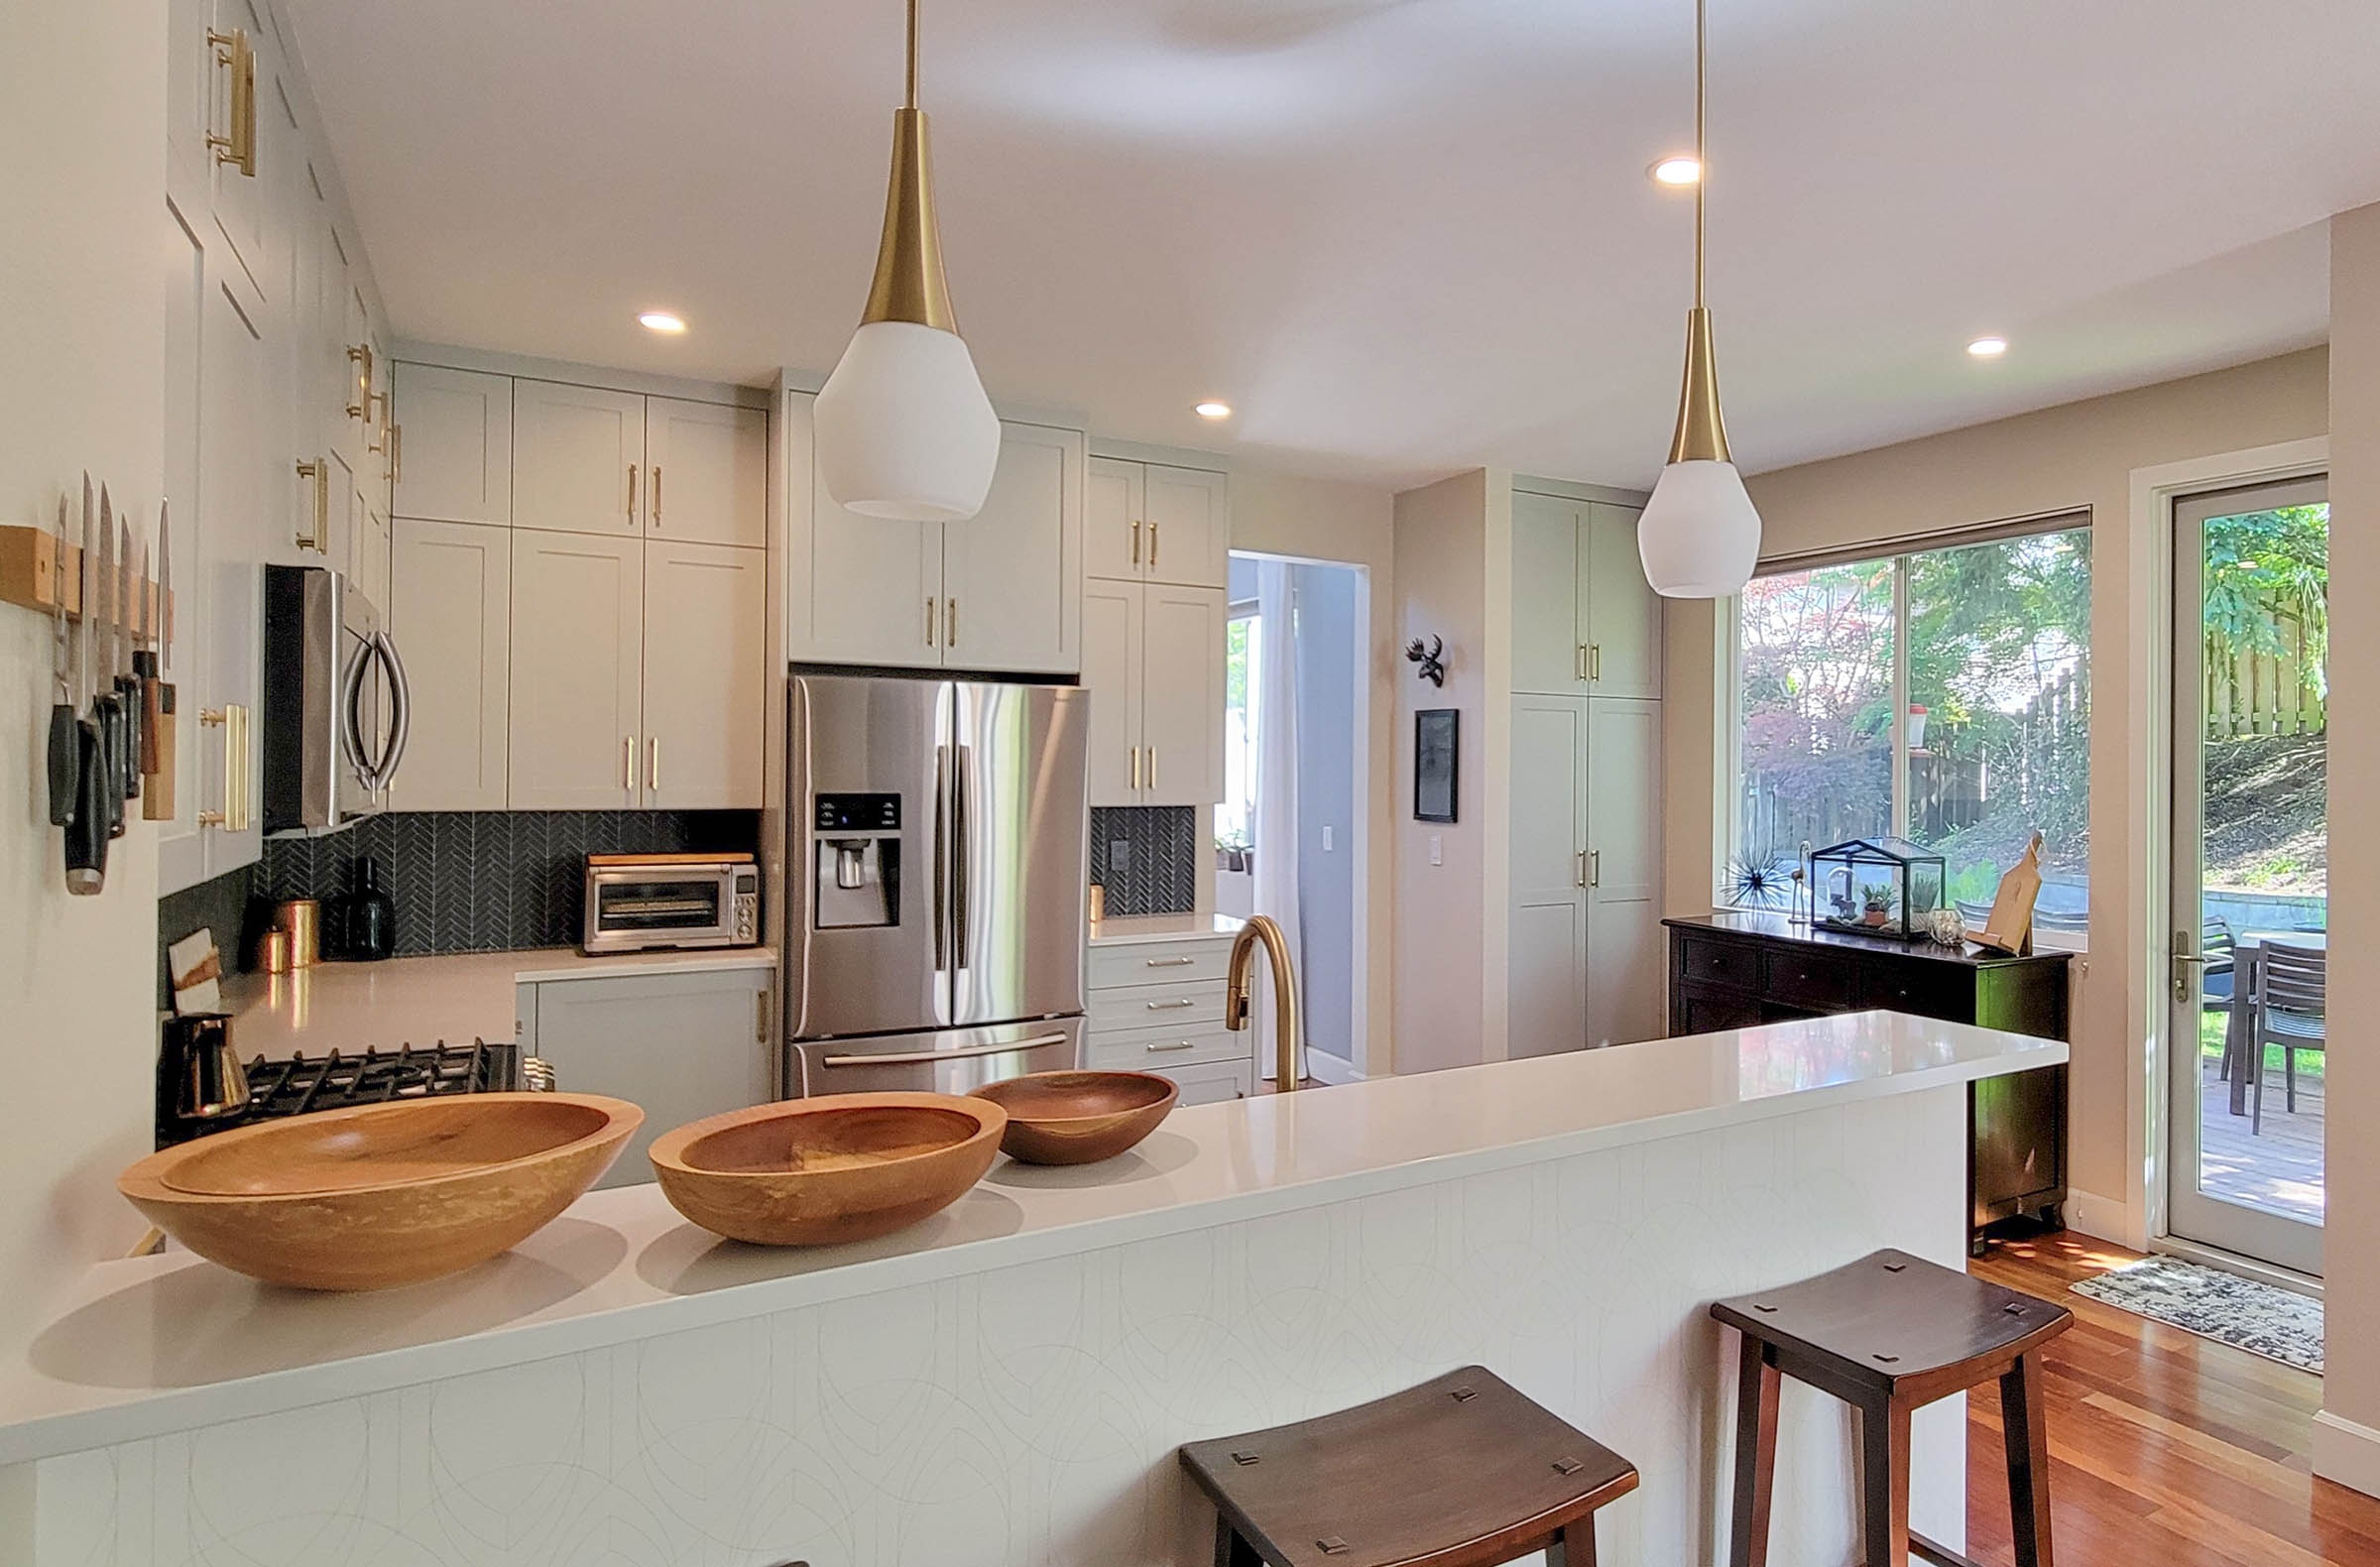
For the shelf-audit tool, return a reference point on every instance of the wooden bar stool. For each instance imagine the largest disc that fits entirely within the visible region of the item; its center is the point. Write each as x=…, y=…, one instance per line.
x=1889, y=1334
x=1458, y=1471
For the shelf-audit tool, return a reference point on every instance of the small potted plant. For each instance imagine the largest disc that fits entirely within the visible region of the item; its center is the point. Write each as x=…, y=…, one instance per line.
x=1877, y=901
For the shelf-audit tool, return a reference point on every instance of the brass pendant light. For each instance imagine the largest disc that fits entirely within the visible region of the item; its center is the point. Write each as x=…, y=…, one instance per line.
x=1698, y=535
x=905, y=432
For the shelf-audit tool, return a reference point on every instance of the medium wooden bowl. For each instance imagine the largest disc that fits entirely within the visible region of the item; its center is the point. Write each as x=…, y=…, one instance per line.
x=1079, y=1118
x=838, y=1167
x=381, y=1195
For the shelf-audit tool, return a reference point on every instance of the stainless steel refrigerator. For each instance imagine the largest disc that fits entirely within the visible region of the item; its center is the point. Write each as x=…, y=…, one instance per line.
x=936, y=882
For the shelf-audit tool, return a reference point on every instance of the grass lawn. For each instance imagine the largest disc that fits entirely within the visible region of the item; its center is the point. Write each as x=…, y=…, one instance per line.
x=2210, y=1049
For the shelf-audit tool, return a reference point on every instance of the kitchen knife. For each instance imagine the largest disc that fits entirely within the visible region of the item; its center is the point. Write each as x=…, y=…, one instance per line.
x=105, y=701
x=132, y=574
x=157, y=803
x=87, y=833
x=62, y=744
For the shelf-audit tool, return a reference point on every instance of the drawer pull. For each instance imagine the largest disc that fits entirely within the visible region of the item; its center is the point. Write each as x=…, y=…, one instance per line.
x=1178, y=1044
x=1170, y=963
x=1168, y=1006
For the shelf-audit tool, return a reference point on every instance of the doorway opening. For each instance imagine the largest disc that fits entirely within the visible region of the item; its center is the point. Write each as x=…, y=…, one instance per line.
x=1293, y=831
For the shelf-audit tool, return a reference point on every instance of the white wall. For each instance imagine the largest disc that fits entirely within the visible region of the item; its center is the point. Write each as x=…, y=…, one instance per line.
x=81, y=385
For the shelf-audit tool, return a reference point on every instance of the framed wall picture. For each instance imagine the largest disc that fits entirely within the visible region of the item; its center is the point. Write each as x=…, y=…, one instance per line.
x=1435, y=733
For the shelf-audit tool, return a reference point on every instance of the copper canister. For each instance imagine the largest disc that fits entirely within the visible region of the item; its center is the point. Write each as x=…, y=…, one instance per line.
x=1098, y=903
x=273, y=951
x=302, y=917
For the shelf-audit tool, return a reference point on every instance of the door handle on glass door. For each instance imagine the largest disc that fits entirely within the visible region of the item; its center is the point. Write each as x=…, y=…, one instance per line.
x=2183, y=958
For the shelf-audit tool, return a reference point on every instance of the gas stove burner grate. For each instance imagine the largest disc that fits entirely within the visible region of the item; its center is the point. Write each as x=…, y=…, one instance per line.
x=330, y=1082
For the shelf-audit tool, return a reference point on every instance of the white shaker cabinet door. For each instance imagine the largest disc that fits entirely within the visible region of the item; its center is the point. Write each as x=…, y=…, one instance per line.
x=577, y=656
x=1113, y=530
x=1181, y=695
x=1189, y=516
x=578, y=458
x=450, y=607
x=1012, y=574
x=1111, y=645
x=705, y=673
x=1626, y=967
x=1622, y=612
x=1549, y=929
x=1549, y=581
x=458, y=443
x=870, y=590
x=709, y=472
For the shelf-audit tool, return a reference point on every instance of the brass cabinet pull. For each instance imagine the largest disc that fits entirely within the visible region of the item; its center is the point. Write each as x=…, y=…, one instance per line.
x=632, y=495
x=929, y=622
x=1595, y=661
x=238, y=148
x=1169, y=963
x=1594, y=868
x=1579, y=663
x=1135, y=542
x=1579, y=872
x=950, y=629
x=360, y=356
x=628, y=762
x=1168, y=1006
x=1152, y=546
x=657, y=495
x=653, y=763
x=1135, y=766
x=318, y=540
x=1152, y=750
x=395, y=453
x=233, y=720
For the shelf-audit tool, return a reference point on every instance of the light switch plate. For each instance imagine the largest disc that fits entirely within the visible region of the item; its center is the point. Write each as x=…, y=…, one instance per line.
x=1326, y=840
x=1437, y=848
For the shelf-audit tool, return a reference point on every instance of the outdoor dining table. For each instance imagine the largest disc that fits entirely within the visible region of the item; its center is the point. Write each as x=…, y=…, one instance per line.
x=2239, y=1027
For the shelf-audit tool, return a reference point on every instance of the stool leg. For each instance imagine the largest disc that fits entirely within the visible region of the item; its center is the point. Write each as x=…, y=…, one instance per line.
x=1884, y=1482
x=1756, y=1396
x=1573, y=1545
x=1230, y=1549
x=2024, y=1427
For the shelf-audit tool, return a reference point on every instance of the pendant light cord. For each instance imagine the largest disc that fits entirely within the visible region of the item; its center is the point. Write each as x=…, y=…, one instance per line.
x=1701, y=181
x=912, y=75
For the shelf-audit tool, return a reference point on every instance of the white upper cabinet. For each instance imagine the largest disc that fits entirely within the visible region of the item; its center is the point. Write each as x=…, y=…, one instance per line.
x=864, y=589
x=705, y=680
x=1181, y=695
x=578, y=458
x=709, y=472
x=1011, y=574
x=577, y=672
x=450, y=611
x=1155, y=523
x=1585, y=622
x=458, y=443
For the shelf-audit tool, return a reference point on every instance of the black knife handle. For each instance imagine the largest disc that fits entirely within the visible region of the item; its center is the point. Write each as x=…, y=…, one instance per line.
x=128, y=697
x=87, y=832
x=63, y=755
x=110, y=715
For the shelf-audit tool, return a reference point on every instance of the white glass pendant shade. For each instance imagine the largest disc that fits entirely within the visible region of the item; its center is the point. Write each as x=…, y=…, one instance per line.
x=904, y=431
x=1699, y=537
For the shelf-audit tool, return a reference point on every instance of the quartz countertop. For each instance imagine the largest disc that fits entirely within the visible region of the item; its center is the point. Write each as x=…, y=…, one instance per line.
x=349, y=1007
x=1130, y=929
x=141, y=1347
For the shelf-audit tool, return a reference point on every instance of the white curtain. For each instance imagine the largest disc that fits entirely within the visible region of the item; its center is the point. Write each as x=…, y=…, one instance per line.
x=1276, y=828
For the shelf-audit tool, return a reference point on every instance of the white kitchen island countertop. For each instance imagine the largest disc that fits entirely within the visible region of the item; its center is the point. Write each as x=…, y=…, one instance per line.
x=148, y=1346
x=1132, y=929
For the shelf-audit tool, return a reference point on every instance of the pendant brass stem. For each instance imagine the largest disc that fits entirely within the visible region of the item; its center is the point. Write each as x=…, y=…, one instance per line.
x=909, y=281
x=1702, y=434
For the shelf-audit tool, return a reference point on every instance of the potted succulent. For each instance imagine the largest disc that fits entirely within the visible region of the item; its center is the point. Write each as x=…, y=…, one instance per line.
x=1877, y=901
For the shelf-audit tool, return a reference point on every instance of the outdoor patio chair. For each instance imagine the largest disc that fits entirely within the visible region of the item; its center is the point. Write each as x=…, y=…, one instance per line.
x=2061, y=919
x=2220, y=950
x=2290, y=986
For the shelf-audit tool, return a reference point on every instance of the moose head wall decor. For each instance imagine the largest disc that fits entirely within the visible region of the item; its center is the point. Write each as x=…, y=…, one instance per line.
x=1432, y=661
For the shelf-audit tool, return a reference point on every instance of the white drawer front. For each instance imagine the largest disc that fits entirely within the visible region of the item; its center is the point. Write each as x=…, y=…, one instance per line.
x=1164, y=1049
x=1181, y=1007
x=1159, y=963
x=1213, y=1082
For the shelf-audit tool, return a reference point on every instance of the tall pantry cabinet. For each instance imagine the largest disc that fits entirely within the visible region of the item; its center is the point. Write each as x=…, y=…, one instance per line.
x=1585, y=949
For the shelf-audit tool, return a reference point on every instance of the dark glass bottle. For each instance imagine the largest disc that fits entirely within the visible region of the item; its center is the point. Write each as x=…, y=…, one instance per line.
x=371, y=916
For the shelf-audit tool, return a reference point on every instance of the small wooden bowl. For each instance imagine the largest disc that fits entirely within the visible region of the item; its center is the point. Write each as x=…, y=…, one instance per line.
x=838, y=1167
x=1079, y=1118
x=381, y=1195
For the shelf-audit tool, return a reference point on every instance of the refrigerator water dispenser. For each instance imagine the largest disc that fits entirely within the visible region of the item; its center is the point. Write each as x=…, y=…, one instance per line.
x=855, y=882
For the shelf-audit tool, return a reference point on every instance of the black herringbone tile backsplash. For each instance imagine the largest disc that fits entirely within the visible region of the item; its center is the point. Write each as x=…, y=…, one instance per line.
x=1146, y=857
x=490, y=880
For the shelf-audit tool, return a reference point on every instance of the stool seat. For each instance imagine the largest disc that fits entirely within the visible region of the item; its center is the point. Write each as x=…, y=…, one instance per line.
x=1890, y=1320
x=1460, y=1472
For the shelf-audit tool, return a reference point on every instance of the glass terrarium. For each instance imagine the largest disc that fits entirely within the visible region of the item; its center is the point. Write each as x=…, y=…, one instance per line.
x=1875, y=887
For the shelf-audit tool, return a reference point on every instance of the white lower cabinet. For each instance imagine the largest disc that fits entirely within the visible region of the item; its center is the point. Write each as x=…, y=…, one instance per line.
x=452, y=614
x=1157, y=1006
x=1154, y=658
x=706, y=647
x=678, y=1046
x=1626, y=972
x=575, y=712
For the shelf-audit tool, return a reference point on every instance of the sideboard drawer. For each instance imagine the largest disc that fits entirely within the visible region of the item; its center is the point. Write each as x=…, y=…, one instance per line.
x=1720, y=963
x=1812, y=980
x=1921, y=987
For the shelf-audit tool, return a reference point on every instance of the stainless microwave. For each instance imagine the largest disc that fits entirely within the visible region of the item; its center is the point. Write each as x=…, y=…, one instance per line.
x=337, y=705
x=643, y=903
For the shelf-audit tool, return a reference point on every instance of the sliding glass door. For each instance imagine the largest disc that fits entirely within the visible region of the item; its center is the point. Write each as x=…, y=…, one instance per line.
x=2249, y=877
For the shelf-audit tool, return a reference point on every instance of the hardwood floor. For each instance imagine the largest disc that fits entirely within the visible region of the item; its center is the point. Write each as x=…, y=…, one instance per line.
x=2165, y=1449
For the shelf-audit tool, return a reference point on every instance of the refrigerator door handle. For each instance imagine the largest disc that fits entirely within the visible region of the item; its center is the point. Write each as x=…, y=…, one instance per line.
x=924, y=1057
x=941, y=858
x=962, y=848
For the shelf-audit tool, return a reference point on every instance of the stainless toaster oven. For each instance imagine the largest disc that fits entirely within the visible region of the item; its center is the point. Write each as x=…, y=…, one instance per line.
x=642, y=903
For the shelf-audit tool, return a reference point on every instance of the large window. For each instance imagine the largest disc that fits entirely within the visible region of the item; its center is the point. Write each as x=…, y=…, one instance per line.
x=1942, y=694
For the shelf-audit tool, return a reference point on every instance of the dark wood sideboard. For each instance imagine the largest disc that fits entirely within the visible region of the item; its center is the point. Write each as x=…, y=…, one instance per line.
x=1735, y=969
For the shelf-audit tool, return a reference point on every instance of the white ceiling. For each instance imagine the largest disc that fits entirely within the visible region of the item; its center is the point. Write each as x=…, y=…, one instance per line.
x=1401, y=236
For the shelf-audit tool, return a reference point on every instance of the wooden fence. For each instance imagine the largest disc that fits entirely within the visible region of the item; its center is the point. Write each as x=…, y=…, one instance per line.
x=2265, y=693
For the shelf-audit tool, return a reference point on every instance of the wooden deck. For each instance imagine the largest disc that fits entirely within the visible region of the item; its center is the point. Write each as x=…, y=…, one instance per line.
x=2278, y=1169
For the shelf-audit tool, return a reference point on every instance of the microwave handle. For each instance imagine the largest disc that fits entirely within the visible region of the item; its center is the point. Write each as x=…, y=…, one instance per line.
x=400, y=712
x=351, y=714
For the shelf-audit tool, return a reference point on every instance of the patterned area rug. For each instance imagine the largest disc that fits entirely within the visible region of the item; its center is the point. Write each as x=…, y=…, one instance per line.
x=2264, y=1319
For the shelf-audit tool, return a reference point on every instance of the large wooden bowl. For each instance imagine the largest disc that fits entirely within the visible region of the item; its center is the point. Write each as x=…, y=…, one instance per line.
x=381, y=1194
x=1079, y=1118
x=839, y=1168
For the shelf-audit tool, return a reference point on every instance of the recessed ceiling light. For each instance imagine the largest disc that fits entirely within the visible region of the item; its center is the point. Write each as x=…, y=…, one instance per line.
x=662, y=322
x=1988, y=347
x=1682, y=170
x=1214, y=411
